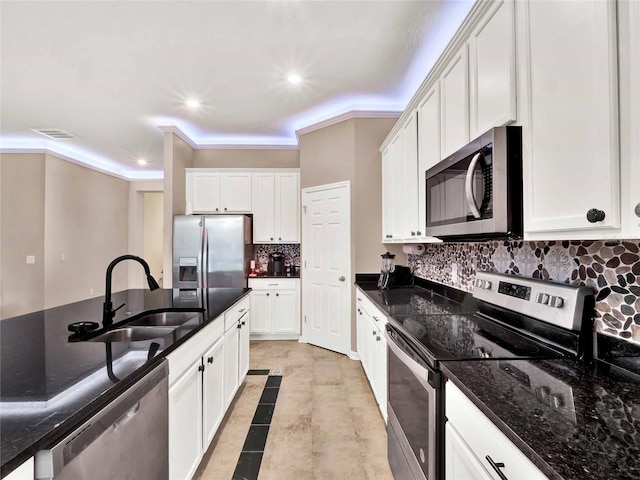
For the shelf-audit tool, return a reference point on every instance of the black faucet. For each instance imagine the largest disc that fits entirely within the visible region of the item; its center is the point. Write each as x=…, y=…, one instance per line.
x=108, y=312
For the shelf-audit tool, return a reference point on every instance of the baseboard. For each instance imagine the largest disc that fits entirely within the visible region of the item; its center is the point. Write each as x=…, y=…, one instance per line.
x=274, y=336
x=354, y=355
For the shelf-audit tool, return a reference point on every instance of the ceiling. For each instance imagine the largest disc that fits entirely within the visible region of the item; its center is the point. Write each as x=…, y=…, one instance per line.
x=112, y=72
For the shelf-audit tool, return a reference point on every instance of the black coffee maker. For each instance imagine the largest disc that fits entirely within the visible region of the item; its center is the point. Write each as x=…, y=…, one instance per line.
x=392, y=275
x=276, y=264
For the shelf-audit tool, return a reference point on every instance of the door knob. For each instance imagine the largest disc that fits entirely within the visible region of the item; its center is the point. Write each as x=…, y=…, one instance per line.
x=341, y=278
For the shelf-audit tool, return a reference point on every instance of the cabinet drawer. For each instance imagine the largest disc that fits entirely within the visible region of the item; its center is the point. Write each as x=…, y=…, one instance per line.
x=274, y=283
x=185, y=355
x=368, y=306
x=232, y=315
x=484, y=439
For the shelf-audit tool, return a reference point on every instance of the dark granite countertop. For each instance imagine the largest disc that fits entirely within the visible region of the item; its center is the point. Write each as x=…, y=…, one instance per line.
x=594, y=434
x=274, y=276
x=49, y=384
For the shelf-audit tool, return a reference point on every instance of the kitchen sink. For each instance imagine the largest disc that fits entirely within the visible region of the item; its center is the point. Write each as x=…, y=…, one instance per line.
x=133, y=334
x=165, y=319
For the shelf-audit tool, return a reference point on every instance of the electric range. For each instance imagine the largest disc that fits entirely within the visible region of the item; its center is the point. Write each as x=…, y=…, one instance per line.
x=514, y=318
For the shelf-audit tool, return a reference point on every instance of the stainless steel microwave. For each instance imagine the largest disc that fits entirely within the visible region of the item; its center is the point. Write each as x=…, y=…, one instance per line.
x=476, y=193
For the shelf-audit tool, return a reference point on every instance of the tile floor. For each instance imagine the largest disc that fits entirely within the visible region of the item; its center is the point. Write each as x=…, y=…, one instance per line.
x=326, y=423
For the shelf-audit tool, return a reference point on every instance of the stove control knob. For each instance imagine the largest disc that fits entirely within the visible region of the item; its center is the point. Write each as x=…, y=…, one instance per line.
x=556, y=302
x=542, y=298
x=483, y=284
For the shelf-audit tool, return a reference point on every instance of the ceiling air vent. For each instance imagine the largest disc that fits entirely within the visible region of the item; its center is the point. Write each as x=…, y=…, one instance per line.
x=54, y=133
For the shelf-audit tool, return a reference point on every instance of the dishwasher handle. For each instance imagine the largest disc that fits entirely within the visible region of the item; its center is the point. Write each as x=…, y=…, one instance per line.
x=116, y=415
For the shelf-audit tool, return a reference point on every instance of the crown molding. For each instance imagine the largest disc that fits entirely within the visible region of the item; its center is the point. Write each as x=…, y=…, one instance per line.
x=346, y=116
x=70, y=159
x=224, y=146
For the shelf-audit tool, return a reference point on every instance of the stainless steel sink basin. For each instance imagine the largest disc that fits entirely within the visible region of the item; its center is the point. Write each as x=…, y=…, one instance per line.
x=133, y=334
x=165, y=319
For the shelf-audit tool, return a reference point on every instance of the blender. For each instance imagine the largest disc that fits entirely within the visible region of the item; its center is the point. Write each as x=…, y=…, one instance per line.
x=388, y=267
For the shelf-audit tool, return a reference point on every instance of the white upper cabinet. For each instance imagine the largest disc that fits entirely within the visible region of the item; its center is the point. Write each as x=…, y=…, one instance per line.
x=409, y=168
x=288, y=207
x=454, y=92
x=203, y=192
x=393, y=206
x=236, y=192
x=276, y=207
x=264, y=207
x=568, y=56
x=218, y=192
x=492, y=65
x=428, y=148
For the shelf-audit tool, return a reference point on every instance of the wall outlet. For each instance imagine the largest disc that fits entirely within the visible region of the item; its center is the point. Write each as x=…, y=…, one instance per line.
x=454, y=273
x=31, y=259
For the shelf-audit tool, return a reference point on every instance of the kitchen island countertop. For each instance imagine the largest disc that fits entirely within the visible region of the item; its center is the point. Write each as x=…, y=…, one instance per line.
x=50, y=384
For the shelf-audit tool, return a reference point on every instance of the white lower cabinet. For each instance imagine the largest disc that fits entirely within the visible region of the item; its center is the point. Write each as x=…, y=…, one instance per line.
x=26, y=471
x=460, y=461
x=185, y=423
x=212, y=395
x=204, y=375
x=372, y=348
x=476, y=449
x=231, y=351
x=275, y=307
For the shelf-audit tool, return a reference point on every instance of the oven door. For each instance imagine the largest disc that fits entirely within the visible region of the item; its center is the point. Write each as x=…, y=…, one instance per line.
x=415, y=413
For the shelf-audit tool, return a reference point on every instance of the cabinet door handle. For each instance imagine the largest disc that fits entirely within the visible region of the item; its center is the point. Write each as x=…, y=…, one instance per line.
x=359, y=299
x=279, y=238
x=217, y=210
x=243, y=323
x=271, y=238
x=377, y=339
x=413, y=234
x=239, y=326
x=267, y=294
x=376, y=318
x=210, y=360
x=225, y=209
x=374, y=332
x=497, y=467
x=241, y=310
x=419, y=233
x=594, y=215
x=201, y=368
x=277, y=294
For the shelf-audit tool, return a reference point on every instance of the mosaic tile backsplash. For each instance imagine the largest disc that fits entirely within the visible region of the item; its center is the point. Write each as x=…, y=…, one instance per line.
x=291, y=252
x=611, y=268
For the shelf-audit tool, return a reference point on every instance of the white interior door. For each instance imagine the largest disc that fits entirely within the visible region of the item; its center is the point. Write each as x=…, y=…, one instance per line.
x=326, y=277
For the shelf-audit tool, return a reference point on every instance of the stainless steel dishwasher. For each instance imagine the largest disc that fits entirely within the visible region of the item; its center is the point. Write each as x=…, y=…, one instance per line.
x=128, y=439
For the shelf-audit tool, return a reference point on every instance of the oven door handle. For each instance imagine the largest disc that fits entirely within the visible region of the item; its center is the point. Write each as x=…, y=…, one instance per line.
x=468, y=186
x=419, y=370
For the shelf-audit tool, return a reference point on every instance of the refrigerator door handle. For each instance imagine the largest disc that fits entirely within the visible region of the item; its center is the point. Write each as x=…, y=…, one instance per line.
x=204, y=256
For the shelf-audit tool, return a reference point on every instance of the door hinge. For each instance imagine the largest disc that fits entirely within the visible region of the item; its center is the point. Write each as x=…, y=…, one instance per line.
x=304, y=209
x=305, y=264
x=305, y=319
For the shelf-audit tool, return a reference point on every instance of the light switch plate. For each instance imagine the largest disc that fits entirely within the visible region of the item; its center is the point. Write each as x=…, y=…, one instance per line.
x=31, y=259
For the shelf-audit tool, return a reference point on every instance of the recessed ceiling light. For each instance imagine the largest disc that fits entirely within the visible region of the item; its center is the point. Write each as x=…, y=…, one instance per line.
x=141, y=161
x=294, y=78
x=192, y=103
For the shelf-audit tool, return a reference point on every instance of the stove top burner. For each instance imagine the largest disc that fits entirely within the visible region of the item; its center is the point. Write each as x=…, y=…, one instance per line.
x=468, y=337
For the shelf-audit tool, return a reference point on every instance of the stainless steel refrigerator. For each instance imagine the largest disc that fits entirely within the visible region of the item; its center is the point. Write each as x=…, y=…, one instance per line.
x=211, y=251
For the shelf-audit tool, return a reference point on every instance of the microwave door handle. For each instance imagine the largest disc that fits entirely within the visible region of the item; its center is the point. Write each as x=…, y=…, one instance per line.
x=468, y=186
